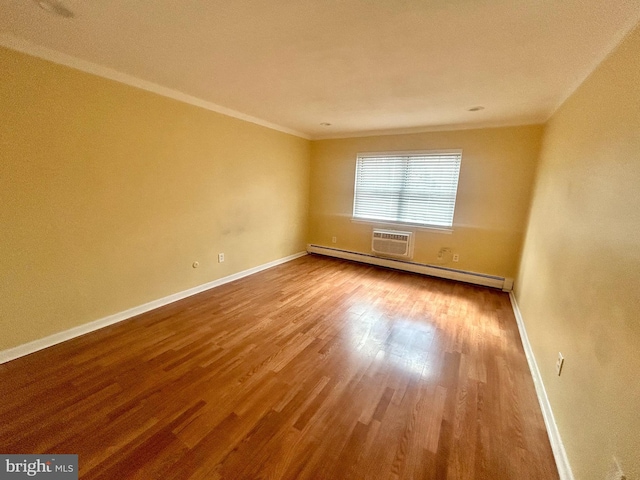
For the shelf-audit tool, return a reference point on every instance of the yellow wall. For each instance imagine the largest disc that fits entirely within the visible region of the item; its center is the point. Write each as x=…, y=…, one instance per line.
x=496, y=179
x=109, y=193
x=579, y=284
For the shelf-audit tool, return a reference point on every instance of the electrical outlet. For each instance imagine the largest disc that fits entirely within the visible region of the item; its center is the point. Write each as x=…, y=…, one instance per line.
x=334, y=239
x=559, y=363
x=456, y=257
x=220, y=257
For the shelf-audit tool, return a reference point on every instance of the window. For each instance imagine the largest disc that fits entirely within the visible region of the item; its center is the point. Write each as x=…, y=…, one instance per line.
x=415, y=188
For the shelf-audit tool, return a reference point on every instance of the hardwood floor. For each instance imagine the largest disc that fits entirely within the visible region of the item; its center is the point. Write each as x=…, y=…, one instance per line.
x=318, y=368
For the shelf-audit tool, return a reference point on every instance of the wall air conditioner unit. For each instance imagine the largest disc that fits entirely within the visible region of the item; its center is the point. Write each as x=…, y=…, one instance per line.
x=392, y=243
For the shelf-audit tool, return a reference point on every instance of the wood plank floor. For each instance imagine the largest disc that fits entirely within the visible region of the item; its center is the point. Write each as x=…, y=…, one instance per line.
x=318, y=369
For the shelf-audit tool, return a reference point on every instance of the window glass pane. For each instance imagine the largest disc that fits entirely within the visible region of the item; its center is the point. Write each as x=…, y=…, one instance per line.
x=409, y=188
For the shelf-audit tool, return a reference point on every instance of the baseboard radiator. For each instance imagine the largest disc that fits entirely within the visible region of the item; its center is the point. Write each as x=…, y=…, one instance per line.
x=502, y=283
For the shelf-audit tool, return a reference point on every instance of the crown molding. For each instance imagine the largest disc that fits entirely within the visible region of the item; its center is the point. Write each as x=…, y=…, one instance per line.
x=12, y=42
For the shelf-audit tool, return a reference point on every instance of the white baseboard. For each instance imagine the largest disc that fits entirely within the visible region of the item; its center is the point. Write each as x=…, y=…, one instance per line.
x=42, y=343
x=559, y=453
x=431, y=270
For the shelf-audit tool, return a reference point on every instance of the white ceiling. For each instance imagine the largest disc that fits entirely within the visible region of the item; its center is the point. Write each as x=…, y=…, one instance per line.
x=364, y=66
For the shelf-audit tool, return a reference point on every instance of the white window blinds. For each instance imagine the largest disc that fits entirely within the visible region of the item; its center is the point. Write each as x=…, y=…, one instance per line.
x=417, y=188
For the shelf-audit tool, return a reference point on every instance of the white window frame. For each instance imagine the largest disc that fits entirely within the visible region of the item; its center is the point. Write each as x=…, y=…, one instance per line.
x=417, y=225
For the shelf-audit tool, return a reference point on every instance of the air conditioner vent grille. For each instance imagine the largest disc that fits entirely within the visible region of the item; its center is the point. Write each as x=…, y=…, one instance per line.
x=391, y=243
x=391, y=236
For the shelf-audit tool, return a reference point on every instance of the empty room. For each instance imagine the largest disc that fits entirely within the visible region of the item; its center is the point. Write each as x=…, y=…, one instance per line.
x=320, y=240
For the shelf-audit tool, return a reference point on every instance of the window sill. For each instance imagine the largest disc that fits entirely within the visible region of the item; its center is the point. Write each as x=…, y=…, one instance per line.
x=412, y=226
